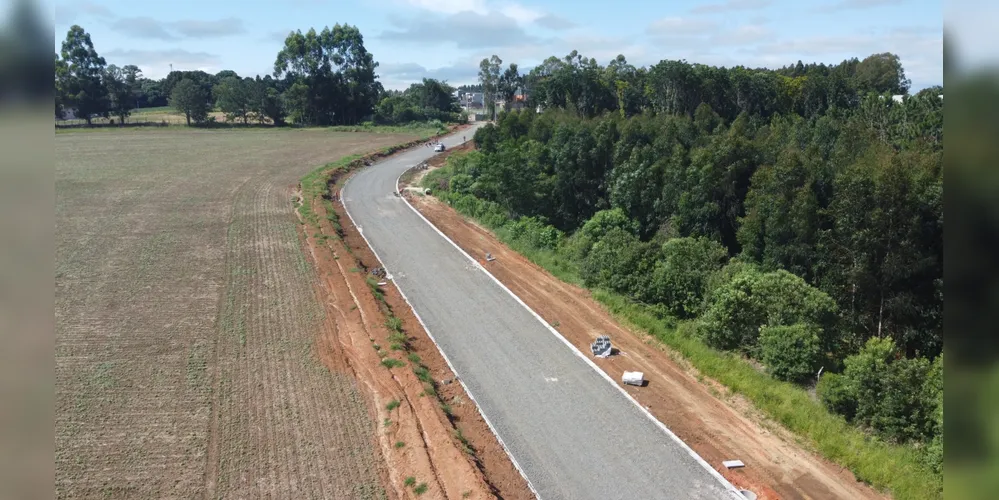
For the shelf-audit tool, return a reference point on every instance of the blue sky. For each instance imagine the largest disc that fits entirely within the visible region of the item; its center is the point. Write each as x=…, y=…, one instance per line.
x=412, y=39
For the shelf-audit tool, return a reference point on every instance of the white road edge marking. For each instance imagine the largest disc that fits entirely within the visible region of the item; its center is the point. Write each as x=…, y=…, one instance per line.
x=724, y=482
x=447, y=360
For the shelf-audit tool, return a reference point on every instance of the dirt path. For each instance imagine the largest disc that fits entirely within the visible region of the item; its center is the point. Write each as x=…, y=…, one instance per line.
x=430, y=431
x=718, y=428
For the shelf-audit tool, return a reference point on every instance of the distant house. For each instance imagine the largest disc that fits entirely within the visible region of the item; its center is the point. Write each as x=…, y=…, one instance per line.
x=67, y=114
x=473, y=100
x=519, y=102
x=900, y=98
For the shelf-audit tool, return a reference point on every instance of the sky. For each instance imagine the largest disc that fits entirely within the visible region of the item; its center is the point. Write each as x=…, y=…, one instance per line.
x=446, y=39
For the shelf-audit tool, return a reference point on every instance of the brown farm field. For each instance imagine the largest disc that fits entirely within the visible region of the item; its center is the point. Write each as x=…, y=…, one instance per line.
x=186, y=320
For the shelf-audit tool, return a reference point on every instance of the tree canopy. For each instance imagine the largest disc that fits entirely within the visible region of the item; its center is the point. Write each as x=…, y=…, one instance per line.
x=333, y=76
x=793, y=215
x=80, y=72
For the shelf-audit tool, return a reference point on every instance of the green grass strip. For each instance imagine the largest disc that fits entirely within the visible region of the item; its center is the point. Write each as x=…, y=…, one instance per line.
x=898, y=469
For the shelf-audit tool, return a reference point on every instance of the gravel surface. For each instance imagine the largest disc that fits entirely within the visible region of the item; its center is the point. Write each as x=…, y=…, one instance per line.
x=572, y=433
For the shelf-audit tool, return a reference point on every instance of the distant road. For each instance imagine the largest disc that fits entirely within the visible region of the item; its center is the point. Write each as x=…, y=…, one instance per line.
x=572, y=433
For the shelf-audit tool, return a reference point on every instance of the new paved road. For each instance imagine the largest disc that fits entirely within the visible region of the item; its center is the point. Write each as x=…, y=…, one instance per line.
x=573, y=434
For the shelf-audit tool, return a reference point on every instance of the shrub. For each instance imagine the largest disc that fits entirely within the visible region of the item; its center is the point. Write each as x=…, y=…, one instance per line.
x=619, y=262
x=393, y=323
x=899, y=398
x=791, y=353
x=838, y=394
x=392, y=363
x=423, y=374
x=461, y=183
x=392, y=405
x=752, y=299
x=599, y=226
x=535, y=232
x=723, y=276
x=680, y=277
x=934, y=387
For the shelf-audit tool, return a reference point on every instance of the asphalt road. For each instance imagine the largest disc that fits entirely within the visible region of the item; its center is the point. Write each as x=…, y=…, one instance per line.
x=572, y=433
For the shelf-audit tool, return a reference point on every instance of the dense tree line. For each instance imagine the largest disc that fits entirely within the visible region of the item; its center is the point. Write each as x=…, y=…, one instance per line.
x=425, y=101
x=798, y=223
x=678, y=87
x=320, y=78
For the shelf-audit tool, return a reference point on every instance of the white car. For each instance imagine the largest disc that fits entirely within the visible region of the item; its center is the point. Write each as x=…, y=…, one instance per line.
x=439, y=147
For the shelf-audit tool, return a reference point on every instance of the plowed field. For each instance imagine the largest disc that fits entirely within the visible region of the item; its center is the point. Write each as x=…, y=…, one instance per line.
x=186, y=322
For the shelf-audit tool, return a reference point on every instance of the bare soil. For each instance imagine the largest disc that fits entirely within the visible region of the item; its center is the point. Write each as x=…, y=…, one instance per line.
x=715, y=423
x=187, y=322
x=453, y=452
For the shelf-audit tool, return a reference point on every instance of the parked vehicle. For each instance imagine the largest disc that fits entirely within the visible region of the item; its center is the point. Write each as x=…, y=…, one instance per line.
x=439, y=147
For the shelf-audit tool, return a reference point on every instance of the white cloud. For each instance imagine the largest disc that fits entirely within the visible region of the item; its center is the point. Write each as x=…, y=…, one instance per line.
x=730, y=5
x=276, y=36
x=466, y=30
x=450, y=6
x=919, y=51
x=68, y=13
x=526, y=55
x=94, y=9
x=520, y=13
x=746, y=34
x=398, y=76
x=680, y=26
x=156, y=63
x=142, y=27
x=553, y=22
x=855, y=5
x=148, y=27
x=206, y=29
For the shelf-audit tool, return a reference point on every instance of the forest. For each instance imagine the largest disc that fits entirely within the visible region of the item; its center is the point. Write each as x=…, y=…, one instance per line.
x=320, y=78
x=792, y=217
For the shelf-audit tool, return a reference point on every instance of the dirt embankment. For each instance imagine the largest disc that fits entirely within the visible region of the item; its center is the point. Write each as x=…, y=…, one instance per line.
x=434, y=442
x=715, y=423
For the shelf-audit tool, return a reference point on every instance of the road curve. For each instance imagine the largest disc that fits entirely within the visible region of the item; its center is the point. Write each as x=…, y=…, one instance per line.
x=570, y=431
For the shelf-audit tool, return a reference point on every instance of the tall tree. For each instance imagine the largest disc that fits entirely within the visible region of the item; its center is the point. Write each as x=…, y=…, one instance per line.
x=433, y=95
x=509, y=83
x=882, y=73
x=332, y=74
x=265, y=101
x=83, y=89
x=190, y=98
x=203, y=79
x=133, y=78
x=232, y=96
x=120, y=98
x=61, y=75
x=489, y=78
